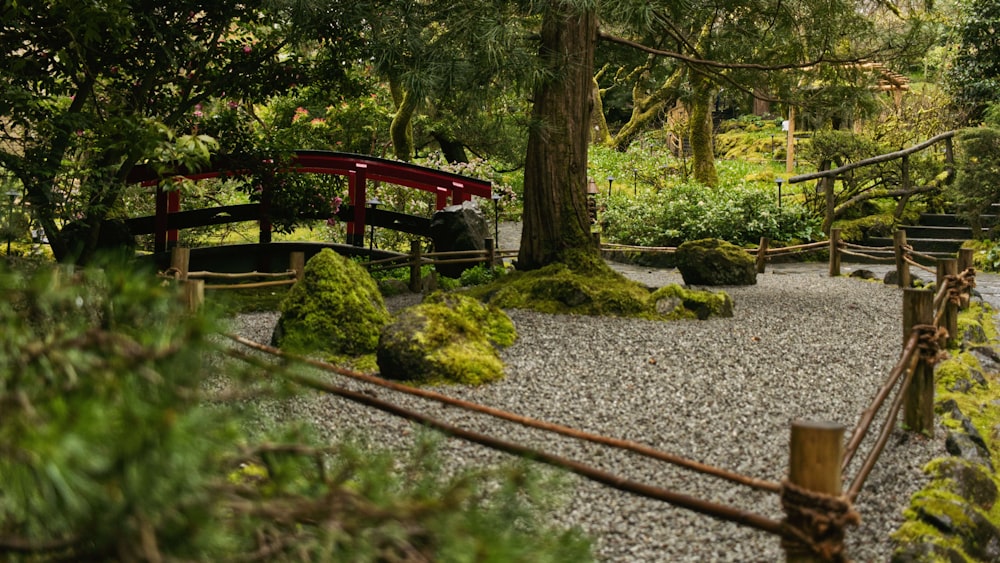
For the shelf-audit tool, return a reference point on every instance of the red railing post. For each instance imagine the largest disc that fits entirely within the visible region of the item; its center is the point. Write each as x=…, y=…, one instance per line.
x=173, y=206
x=357, y=192
x=160, y=227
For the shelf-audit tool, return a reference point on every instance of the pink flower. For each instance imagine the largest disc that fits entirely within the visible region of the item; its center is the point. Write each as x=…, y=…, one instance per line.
x=247, y=49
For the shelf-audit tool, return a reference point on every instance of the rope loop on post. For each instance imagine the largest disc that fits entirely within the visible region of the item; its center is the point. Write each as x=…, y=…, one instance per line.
x=815, y=522
x=960, y=287
x=929, y=338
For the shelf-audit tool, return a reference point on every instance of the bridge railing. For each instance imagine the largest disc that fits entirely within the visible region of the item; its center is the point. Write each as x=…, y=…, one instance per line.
x=448, y=187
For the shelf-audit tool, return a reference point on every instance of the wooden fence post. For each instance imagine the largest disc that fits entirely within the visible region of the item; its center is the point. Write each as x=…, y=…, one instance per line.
x=815, y=455
x=194, y=294
x=902, y=267
x=834, y=253
x=297, y=264
x=948, y=267
x=918, y=404
x=415, y=282
x=491, y=252
x=180, y=260
x=965, y=258
x=762, y=254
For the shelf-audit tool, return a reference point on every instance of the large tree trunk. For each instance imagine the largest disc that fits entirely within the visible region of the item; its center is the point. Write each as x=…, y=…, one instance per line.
x=556, y=224
x=702, y=150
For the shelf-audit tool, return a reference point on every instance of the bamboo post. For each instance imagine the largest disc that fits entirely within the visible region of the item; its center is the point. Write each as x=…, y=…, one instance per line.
x=918, y=405
x=834, y=253
x=297, y=263
x=965, y=258
x=815, y=453
x=902, y=267
x=180, y=260
x=948, y=267
x=762, y=254
x=491, y=252
x=193, y=294
x=415, y=266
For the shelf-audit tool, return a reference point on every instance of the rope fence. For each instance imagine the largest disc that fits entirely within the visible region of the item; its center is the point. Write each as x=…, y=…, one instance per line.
x=817, y=510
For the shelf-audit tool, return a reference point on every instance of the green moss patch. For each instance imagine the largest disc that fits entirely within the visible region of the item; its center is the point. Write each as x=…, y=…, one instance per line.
x=956, y=517
x=336, y=309
x=557, y=289
x=673, y=301
x=449, y=338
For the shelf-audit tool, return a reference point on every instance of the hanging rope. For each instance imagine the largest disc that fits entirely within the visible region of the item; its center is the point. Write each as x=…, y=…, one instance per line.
x=814, y=524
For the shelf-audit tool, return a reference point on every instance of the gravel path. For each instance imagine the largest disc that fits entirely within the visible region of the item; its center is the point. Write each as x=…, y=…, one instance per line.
x=722, y=391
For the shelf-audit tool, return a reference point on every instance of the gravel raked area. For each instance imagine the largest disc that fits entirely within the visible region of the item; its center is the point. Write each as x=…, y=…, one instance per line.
x=723, y=392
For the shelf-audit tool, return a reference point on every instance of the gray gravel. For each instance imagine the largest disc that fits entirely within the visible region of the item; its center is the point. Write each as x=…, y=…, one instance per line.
x=722, y=392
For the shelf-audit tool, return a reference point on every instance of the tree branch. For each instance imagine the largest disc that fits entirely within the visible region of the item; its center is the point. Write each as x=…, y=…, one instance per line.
x=723, y=65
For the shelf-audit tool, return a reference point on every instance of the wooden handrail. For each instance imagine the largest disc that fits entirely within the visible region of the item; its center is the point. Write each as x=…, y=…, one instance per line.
x=873, y=160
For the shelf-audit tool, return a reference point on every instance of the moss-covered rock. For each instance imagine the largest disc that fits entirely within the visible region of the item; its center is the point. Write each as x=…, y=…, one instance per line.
x=673, y=301
x=336, y=309
x=557, y=289
x=449, y=338
x=715, y=262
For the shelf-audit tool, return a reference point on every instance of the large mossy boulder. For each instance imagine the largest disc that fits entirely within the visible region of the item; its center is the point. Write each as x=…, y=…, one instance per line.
x=449, y=338
x=336, y=309
x=715, y=262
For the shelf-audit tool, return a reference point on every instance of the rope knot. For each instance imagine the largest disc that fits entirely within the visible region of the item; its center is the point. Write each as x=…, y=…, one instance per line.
x=815, y=522
x=929, y=339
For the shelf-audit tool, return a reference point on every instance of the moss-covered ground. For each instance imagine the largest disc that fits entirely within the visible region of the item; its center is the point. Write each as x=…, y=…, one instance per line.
x=943, y=516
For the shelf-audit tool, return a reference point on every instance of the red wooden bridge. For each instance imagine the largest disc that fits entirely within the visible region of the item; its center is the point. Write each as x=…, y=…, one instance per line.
x=359, y=169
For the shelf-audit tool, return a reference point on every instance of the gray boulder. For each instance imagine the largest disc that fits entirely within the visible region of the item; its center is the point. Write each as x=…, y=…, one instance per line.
x=455, y=228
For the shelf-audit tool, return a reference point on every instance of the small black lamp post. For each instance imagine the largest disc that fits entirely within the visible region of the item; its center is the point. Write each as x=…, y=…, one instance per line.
x=779, y=181
x=611, y=180
x=635, y=181
x=496, y=218
x=11, y=195
x=373, y=204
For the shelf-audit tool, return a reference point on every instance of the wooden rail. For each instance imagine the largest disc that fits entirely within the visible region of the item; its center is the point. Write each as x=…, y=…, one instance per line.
x=817, y=509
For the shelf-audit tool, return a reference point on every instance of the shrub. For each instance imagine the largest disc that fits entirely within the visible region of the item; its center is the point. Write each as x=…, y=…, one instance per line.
x=739, y=214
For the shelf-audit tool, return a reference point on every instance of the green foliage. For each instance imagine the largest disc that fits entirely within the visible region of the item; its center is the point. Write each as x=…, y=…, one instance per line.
x=973, y=77
x=335, y=309
x=740, y=214
x=105, y=446
x=481, y=274
x=978, y=173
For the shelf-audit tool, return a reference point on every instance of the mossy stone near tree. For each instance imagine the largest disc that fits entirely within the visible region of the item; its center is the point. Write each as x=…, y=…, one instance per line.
x=715, y=262
x=449, y=338
x=336, y=309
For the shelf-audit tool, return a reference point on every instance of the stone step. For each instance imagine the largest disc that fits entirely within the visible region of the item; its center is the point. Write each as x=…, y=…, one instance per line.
x=947, y=248
x=953, y=220
x=963, y=232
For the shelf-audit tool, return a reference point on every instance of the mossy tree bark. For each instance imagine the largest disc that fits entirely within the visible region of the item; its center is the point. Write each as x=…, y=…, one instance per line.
x=556, y=224
x=401, y=128
x=702, y=151
x=646, y=107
